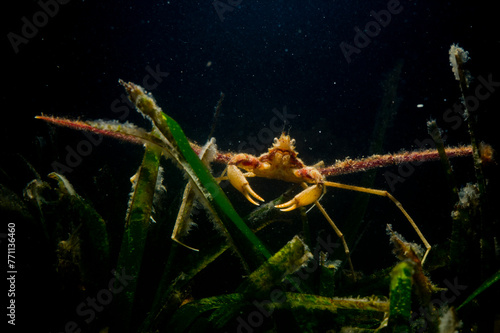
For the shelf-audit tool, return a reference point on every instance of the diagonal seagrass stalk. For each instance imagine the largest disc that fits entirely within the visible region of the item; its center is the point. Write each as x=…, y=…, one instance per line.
x=486, y=284
x=284, y=262
x=247, y=245
x=258, y=285
x=262, y=283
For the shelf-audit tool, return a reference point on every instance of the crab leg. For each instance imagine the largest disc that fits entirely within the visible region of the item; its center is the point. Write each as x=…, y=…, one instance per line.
x=308, y=196
x=240, y=183
x=340, y=235
x=396, y=202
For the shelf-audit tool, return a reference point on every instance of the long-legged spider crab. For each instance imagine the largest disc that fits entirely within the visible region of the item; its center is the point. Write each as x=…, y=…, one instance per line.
x=281, y=162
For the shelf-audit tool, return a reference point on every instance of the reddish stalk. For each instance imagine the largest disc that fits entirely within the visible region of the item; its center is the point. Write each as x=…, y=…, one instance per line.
x=372, y=162
x=339, y=168
x=379, y=161
x=83, y=126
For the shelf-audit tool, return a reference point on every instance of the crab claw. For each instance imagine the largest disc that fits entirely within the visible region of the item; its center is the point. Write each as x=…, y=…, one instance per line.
x=304, y=198
x=240, y=183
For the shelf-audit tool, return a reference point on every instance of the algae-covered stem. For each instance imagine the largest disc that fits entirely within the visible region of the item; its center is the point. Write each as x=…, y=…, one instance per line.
x=458, y=57
x=147, y=105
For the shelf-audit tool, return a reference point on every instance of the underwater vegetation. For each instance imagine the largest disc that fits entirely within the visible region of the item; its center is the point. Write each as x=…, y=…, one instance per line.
x=159, y=275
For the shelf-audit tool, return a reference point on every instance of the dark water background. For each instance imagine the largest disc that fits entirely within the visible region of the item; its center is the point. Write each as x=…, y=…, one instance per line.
x=265, y=56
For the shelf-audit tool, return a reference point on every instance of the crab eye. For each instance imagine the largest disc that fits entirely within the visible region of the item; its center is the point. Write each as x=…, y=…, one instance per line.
x=292, y=142
x=275, y=141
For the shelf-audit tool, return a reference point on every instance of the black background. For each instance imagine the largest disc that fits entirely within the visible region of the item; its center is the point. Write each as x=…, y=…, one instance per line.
x=263, y=55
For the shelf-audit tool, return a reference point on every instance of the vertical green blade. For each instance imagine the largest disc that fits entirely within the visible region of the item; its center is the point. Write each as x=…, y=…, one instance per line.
x=136, y=230
x=400, y=297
